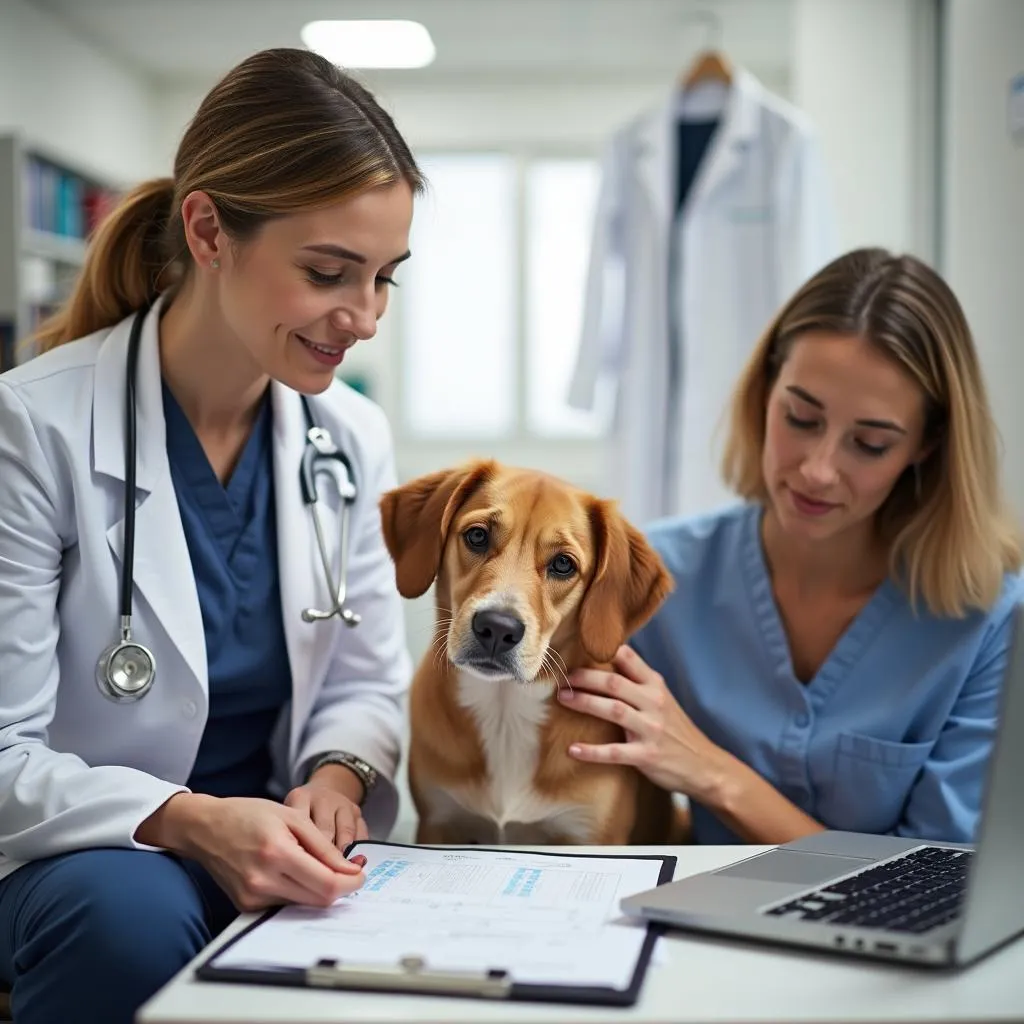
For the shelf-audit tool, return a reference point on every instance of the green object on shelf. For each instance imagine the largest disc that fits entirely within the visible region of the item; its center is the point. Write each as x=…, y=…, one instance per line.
x=358, y=382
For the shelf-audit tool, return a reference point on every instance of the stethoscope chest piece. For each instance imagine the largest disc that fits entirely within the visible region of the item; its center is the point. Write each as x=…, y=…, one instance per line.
x=125, y=671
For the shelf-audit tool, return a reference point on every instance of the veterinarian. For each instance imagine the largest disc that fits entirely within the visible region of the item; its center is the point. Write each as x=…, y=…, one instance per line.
x=220, y=748
x=833, y=652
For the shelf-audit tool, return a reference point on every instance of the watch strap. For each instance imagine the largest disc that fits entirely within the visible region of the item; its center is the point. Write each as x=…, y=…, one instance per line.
x=363, y=770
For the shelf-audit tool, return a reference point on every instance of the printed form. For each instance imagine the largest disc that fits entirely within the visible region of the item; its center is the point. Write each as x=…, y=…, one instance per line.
x=546, y=919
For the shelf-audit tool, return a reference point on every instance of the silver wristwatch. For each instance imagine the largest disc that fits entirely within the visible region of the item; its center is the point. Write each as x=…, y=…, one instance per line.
x=365, y=772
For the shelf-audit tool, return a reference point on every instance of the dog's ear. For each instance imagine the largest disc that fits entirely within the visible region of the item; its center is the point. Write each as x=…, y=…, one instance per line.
x=415, y=518
x=630, y=582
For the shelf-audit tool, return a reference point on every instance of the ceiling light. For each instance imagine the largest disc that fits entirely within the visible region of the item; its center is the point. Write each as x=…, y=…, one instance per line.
x=371, y=44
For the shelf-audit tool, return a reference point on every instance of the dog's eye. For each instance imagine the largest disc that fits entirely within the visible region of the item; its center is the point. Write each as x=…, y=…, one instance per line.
x=476, y=538
x=562, y=566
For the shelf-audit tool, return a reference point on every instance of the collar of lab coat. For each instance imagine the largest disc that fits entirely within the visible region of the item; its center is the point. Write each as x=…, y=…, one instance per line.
x=657, y=144
x=163, y=568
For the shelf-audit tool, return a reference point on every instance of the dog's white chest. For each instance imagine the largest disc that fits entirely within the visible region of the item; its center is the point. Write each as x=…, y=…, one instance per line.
x=509, y=717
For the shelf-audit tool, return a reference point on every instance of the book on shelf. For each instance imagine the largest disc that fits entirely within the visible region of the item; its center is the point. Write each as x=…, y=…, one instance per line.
x=61, y=202
x=51, y=210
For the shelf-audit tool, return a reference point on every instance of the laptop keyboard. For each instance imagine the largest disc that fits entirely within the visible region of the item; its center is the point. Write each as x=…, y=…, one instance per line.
x=914, y=892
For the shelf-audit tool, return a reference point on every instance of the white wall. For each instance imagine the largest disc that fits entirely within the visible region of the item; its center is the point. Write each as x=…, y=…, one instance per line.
x=983, y=202
x=862, y=69
x=477, y=112
x=71, y=99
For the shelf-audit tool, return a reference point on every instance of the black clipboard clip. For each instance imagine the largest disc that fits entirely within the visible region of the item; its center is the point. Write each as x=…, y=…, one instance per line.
x=410, y=974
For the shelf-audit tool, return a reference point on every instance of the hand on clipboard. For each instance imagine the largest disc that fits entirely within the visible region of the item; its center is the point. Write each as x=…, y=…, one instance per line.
x=260, y=852
x=493, y=923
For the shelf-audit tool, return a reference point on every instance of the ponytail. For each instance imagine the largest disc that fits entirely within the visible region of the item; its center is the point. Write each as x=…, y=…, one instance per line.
x=124, y=264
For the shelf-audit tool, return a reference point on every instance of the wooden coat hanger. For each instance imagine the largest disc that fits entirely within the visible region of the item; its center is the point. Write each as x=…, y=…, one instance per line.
x=710, y=64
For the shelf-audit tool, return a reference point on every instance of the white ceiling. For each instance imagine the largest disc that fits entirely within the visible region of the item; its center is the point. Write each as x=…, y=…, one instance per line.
x=194, y=41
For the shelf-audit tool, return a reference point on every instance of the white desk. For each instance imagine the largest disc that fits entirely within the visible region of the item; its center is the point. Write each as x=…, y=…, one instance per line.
x=694, y=979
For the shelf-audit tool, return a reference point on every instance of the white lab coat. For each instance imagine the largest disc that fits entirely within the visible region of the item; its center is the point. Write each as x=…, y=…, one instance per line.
x=78, y=770
x=757, y=221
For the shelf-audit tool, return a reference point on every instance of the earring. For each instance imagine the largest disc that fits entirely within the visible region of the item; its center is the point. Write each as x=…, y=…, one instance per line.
x=215, y=264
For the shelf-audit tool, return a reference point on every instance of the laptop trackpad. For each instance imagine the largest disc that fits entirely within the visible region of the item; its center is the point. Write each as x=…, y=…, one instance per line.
x=791, y=866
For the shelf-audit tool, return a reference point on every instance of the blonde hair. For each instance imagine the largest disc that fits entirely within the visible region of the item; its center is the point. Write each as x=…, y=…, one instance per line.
x=285, y=131
x=949, y=533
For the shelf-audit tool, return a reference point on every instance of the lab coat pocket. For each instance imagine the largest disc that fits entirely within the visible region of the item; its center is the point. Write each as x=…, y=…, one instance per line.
x=873, y=778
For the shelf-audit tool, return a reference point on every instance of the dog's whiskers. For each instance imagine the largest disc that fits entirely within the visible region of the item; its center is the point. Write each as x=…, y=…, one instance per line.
x=558, y=667
x=443, y=624
x=431, y=628
x=438, y=647
x=439, y=632
x=564, y=668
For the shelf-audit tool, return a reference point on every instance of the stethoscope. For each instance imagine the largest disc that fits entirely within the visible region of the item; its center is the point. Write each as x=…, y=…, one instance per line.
x=126, y=669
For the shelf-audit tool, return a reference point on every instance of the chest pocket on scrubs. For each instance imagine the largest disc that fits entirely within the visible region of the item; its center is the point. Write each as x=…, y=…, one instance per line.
x=872, y=781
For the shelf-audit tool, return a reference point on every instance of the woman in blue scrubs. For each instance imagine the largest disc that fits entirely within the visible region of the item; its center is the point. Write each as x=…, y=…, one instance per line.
x=833, y=651
x=132, y=832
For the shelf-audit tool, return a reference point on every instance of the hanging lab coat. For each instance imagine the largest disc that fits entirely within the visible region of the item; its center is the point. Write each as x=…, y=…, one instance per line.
x=78, y=770
x=757, y=222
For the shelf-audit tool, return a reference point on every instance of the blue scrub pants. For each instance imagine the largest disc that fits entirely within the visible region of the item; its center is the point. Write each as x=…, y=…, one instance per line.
x=89, y=936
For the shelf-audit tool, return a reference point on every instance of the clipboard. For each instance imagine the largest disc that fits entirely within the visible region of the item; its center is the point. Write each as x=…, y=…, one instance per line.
x=412, y=975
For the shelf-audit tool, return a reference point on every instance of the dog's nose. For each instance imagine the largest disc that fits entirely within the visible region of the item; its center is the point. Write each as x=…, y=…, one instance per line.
x=497, y=631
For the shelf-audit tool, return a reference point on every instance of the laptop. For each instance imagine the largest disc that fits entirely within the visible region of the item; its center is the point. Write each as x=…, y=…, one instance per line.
x=930, y=903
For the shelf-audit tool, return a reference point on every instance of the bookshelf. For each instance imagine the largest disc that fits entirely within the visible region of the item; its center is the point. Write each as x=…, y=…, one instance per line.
x=48, y=208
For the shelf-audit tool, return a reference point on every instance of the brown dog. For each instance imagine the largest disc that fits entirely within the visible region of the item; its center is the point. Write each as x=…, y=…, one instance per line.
x=534, y=578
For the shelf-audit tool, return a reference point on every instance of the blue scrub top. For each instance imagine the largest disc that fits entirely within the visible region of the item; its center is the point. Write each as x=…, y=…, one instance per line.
x=232, y=540
x=893, y=733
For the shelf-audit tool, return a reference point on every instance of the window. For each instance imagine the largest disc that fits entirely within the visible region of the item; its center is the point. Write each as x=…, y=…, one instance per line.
x=459, y=300
x=560, y=197
x=492, y=301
